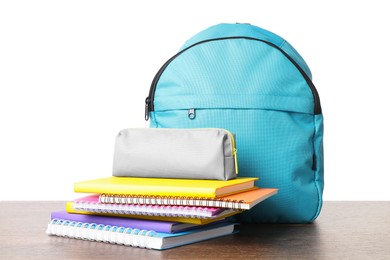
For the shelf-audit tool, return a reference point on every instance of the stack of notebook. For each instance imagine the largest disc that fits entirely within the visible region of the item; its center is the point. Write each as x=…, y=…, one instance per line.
x=155, y=213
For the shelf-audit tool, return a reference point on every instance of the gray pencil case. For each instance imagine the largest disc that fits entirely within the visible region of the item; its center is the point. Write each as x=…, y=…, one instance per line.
x=200, y=153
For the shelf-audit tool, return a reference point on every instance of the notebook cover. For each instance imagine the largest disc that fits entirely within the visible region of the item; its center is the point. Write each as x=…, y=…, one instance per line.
x=158, y=226
x=91, y=203
x=137, y=238
x=251, y=198
x=204, y=234
x=197, y=221
x=243, y=200
x=164, y=187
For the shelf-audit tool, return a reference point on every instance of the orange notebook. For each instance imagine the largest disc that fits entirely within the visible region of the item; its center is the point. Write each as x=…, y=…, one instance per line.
x=241, y=201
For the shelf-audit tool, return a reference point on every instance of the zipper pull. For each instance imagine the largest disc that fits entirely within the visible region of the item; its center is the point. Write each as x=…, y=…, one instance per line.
x=147, y=102
x=235, y=159
x=191, y=113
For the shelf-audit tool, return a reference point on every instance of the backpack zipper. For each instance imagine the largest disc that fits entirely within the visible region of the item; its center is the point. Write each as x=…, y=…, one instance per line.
x=149, y=106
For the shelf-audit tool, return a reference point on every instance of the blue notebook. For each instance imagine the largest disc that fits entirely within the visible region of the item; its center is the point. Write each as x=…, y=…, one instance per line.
x=135, y=237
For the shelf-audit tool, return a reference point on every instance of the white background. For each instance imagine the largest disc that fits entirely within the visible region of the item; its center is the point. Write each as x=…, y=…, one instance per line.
x=74, y=73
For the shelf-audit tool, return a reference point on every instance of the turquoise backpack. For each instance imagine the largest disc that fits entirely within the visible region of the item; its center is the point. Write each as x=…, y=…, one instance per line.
x=254, y=84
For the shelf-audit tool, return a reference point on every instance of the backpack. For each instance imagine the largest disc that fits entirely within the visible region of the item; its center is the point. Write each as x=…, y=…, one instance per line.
x=255, y=84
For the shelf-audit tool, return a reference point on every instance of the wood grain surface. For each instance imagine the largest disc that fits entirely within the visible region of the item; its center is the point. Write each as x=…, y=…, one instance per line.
x=344, y=230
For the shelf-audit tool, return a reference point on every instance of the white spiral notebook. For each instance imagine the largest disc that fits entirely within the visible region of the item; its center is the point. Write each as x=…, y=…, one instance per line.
x=92, y=204
x=135, y=237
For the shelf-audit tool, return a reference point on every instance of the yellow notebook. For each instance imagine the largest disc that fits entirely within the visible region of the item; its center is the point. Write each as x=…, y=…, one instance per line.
x=165, y=187
x=197, y=221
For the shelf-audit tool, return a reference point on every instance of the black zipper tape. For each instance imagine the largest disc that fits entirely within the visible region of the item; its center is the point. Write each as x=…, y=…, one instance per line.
x=149, y=106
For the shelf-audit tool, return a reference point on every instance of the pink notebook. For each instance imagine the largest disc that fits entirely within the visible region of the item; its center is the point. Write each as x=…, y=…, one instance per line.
x=91, y=204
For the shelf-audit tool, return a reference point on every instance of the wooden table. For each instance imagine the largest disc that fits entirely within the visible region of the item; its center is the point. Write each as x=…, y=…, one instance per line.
x=344, y=230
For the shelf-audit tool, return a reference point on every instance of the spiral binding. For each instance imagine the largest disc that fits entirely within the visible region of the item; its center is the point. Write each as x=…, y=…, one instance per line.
x=171, y=200
x=145, y=209
x=101, y=233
